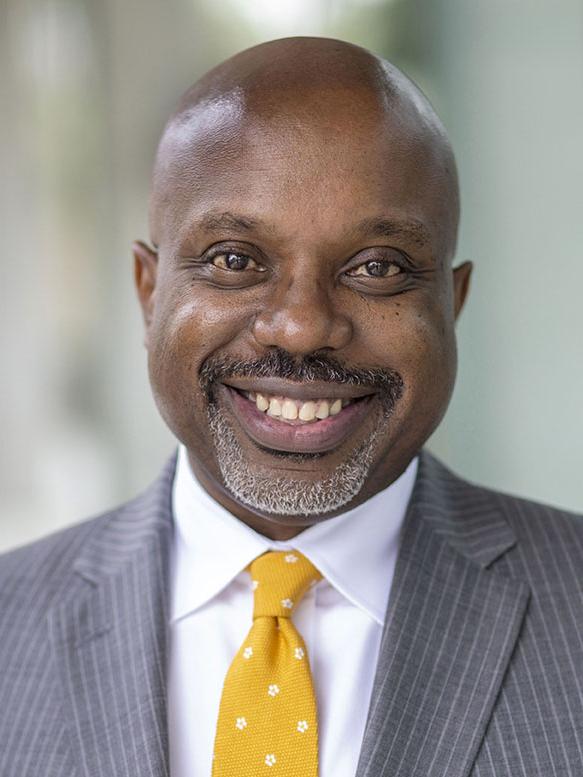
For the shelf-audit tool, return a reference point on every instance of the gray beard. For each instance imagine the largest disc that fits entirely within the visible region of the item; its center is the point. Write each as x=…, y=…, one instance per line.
x=286, y=496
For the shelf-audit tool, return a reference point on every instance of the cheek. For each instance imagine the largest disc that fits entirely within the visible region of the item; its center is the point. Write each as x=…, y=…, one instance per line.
x=191, y=326
x=419, y=342
x=186, y=329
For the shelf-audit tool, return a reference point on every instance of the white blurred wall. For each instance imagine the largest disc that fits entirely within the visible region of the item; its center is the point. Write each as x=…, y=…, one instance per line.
x=85, y=90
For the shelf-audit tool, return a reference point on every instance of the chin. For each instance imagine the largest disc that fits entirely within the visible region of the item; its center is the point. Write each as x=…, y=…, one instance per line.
x=312, y=490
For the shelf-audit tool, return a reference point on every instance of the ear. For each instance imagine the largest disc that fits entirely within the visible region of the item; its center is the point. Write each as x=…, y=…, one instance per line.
x=145, y=273
x=461, y=286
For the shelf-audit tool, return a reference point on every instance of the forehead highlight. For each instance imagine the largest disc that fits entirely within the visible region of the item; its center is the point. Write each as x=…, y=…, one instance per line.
x=250, y=101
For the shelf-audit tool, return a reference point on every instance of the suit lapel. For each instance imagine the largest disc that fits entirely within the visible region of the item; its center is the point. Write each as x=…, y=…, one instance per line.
x=110, y=642
x=451, y=627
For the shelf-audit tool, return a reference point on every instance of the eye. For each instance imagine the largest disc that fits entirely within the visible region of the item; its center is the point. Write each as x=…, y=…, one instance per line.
x=376, y=268
x=230, y=260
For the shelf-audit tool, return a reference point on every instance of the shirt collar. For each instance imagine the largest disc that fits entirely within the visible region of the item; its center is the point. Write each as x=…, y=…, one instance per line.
x=354, y=551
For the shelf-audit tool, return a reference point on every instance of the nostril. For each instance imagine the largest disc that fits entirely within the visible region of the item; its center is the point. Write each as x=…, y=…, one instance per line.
x=302, y=329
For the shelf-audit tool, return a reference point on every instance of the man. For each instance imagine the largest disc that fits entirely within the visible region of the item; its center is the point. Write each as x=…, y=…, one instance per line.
x=299, y=303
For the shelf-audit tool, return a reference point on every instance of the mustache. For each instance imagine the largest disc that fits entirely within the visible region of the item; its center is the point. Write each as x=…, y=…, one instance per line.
x=385, y=382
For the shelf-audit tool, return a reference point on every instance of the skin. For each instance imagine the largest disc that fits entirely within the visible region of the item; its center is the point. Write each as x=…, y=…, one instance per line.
x=326, y=158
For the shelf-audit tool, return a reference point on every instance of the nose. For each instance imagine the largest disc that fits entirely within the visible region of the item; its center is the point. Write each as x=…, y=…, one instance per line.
x=301, y=319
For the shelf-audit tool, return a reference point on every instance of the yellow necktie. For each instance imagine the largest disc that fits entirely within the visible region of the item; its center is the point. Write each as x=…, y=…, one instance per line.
x=268, y=717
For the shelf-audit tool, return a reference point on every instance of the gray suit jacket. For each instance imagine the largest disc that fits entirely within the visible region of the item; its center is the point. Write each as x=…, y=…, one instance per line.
x=480, y=670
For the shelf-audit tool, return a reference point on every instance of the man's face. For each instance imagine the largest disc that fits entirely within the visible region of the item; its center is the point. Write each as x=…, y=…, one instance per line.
x=302, y=270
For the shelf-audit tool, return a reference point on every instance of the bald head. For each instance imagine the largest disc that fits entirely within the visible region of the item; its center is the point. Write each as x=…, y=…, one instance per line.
x=283, y=91
x=295, y=69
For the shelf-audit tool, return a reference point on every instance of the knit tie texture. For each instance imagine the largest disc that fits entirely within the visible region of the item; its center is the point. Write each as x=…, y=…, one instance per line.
x=268, y=721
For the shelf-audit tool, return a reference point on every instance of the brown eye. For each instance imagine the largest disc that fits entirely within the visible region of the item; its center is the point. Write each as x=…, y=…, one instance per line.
x=232, y=261
x=377, y=268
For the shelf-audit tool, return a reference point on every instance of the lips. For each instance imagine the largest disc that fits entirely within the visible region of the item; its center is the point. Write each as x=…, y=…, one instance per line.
x=316, y=436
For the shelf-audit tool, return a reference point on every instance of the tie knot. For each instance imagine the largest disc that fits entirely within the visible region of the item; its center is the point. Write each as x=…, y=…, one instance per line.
x=280, y=579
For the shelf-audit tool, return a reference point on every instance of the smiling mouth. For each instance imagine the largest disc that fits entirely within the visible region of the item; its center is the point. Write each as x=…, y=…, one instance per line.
x=297, y=411
x=289, y=425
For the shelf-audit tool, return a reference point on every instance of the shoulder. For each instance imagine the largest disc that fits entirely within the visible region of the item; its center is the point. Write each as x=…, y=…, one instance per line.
x=40, y=567
x=535, y=522
x=36, y=573
x=548, y=550
x=546, y=542
x=532, y=521
x=441, y=485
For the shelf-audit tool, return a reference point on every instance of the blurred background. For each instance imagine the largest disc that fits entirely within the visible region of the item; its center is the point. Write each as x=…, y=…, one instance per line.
x=86, y=88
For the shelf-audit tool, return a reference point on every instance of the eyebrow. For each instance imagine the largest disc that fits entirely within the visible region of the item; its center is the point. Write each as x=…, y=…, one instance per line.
x=215, y=222
x=378, y=226
x=411, y=229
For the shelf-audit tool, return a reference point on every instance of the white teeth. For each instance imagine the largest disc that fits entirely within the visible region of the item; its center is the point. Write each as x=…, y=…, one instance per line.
x=295, y=409
x=336, y=407
x=289, y=410
x=307, y=411
x=261, y=402
x=274, y=407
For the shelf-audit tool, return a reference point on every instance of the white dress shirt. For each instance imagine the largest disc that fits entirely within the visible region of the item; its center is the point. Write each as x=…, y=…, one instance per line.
x=340, y=618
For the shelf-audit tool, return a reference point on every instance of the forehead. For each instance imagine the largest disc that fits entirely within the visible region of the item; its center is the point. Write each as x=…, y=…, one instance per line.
x=323, y=170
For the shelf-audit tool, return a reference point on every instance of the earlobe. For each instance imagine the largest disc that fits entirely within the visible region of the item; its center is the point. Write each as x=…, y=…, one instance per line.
x=461, y=286
x=145, y=273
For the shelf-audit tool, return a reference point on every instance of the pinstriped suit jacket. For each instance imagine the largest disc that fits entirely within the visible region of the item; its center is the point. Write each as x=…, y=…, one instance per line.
x=480, y=670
